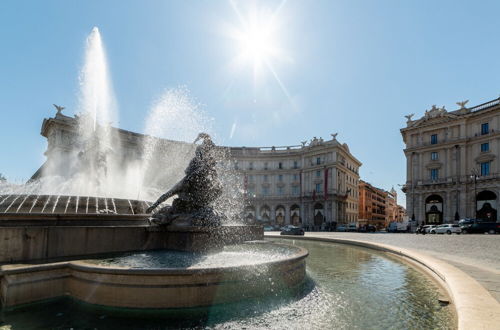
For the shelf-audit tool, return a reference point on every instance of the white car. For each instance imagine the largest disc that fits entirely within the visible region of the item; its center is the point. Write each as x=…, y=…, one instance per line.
x=428, y=228
x=447, y=228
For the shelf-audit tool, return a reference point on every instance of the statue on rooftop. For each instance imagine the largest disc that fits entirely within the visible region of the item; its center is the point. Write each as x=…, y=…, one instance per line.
x=58, y=108
x=196, y=192
x=462, y=104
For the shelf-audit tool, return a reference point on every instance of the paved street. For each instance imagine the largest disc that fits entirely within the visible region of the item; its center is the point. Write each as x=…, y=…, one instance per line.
x=476, y=255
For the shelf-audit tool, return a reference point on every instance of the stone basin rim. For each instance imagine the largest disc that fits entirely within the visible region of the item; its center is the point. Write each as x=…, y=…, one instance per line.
x=83, y=265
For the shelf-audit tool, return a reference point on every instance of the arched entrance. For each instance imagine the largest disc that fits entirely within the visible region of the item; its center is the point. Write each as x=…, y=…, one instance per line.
x=265, y=213
x=486, y=207
x=295, y=215
x=319, y=217
x=249, y=214
x=280, y=215
x=434, y=210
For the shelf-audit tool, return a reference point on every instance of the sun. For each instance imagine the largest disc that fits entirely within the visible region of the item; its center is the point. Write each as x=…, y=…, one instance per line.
x=257, y=37
x=257, y=43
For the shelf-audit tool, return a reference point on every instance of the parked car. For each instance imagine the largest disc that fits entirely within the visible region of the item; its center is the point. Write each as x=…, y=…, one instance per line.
x=352, y=227
x=447, y=228
x=292, y=230
x=428, y=228
x=367, y=229
x=479, y=226
x=341, y=228
x=268, y=228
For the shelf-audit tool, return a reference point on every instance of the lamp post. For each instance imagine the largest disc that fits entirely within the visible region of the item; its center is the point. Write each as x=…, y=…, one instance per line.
x=474, y=175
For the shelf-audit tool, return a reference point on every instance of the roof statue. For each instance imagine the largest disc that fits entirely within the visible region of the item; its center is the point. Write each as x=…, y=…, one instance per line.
x=58, y=108
x=334, y=136
x=303, y=143
x=408, y=117
x=434, y=112
x=462, y=104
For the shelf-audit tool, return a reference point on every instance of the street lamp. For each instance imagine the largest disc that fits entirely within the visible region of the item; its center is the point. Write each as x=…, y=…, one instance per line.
x=475, y=175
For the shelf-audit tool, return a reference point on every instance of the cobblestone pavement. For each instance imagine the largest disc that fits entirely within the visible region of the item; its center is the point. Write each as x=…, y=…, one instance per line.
x=477, y=255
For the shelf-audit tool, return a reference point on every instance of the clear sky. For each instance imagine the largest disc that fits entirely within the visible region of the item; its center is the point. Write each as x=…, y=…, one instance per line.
x=352, y=67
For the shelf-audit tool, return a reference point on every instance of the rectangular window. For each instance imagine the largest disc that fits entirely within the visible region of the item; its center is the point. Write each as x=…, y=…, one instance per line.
x=280, y=190
x=295, y=164
x=434, y=139
x=250, y=178
x=250, y=166
x=280, y=165
x=266, y=178
x=434, y=174
x=265, y=165
x=265, y=191
x=318, y=161
x=295, y=177
x=318, y=187
x=280, y=177
x=485, y=168
x=485, y=147
x=318, y=174
x=295, y=190
x=485, y=128
x=251, y=192
x=434, y=156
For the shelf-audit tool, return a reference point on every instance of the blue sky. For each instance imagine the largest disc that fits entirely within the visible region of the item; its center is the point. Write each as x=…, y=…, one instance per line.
x=352, y=67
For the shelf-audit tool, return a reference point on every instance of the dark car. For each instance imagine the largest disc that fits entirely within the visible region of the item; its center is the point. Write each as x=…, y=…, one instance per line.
x=292, y=230
x=479, y=226
x=367, y=229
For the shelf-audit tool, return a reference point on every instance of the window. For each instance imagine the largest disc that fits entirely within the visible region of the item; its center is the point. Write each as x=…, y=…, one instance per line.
x=265, y=191
x=318, y=187
x=251, y=192
x=318, y=160
x=280, y=177
x=485, y=128
x=236, y=165
x=280, y=190
x=318, y=174
x=266, y=178
x=250, y=166
x=434, y=174
x=265, y=165
x=295, y=164
x=295, y=190
x=280, y=165
x=434, y=139
x=485, y=147
x=295, y=177
x=434, y=156
x=250, y=178
x=485, y=168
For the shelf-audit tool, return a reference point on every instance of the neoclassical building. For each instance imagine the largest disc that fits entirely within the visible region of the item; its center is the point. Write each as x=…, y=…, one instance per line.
x=314, y=185
x=452, y=163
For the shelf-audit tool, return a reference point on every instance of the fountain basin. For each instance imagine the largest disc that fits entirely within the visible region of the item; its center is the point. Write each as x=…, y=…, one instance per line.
x=258, y=272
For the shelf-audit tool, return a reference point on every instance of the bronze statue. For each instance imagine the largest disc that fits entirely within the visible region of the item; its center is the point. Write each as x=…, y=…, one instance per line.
x=196, y=192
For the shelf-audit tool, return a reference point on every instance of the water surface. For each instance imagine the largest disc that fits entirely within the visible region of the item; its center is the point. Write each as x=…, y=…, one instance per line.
x=346, y=288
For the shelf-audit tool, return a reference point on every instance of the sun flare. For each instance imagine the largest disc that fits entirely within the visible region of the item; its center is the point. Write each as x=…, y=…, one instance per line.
x=257, y=37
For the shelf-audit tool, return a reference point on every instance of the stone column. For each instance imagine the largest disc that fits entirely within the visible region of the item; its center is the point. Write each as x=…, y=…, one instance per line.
x=287, y=214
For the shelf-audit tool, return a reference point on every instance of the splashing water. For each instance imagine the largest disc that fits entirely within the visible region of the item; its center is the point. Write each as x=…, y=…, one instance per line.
x=95, y=164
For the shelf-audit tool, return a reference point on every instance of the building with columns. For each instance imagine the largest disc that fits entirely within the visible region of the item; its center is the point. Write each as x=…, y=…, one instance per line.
x=314, y=185
x=451, y=163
